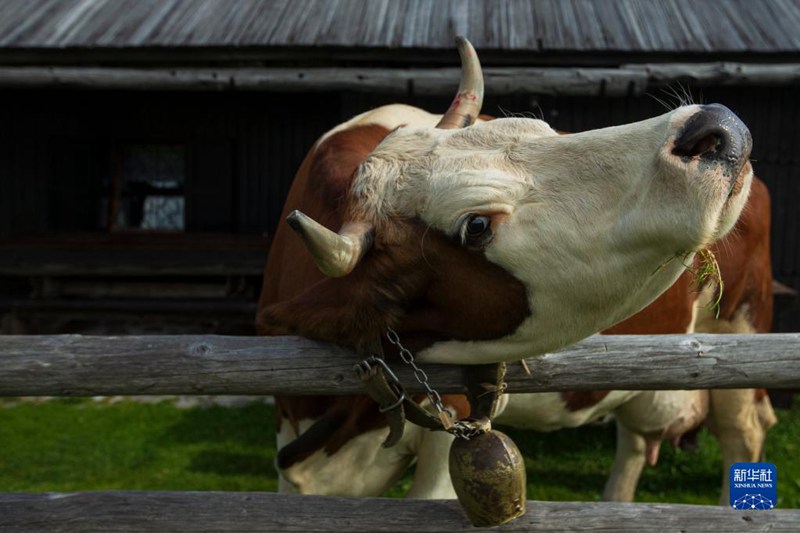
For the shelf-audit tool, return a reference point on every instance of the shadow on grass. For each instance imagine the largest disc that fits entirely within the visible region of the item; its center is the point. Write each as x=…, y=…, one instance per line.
x=226, y=441
x=232, y=464
x=249, y=425
x=559, y=480
x=599, y=439
x=580, y=459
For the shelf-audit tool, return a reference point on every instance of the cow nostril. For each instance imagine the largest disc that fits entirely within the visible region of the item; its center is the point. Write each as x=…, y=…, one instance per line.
x=713, y=132
x=694, y=147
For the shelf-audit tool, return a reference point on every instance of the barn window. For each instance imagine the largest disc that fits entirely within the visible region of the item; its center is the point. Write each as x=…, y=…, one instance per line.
x=147, y=192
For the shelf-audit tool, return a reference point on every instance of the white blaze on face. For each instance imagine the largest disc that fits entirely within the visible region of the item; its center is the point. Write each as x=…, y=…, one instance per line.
x=588, y=221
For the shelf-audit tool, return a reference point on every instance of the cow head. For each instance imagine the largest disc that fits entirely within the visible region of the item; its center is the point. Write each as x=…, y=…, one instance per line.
x=504, y=239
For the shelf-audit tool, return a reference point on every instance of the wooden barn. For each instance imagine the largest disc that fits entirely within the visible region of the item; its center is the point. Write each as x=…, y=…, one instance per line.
x=146, y=146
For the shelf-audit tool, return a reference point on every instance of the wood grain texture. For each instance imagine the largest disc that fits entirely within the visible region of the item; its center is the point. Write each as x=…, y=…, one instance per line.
x=74, y=365
x=134, y=255
x=533, y=26
x=627, y=79
x=199, y=512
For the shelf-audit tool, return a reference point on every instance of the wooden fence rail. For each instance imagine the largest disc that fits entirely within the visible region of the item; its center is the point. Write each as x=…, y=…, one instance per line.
x=200, y=512
x=586, y=81
x=74, y=365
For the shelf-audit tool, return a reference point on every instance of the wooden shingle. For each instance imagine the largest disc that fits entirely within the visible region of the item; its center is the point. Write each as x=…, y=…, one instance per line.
x=534, y=26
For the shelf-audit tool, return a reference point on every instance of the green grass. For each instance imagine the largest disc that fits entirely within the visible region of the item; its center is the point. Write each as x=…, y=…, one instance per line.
x=69, y=445
x=574, y=464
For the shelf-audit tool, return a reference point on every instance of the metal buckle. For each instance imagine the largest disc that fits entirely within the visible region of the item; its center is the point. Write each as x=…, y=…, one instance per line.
x=364, y=368
x=366, y=365
x=395, y=405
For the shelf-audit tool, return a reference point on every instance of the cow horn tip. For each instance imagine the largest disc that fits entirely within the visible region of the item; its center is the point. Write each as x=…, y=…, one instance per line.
x=334, y=254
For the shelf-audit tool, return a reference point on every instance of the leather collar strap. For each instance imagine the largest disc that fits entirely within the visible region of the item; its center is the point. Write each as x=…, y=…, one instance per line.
x=387, y=392
x=484, y=385
x=384, y=387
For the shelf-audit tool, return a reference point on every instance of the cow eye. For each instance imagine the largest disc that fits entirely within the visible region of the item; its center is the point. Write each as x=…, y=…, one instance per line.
x=477, y=226
x=476, y=229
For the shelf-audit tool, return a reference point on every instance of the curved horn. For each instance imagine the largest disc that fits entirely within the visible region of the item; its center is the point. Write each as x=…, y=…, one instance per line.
x=467, y=104
x=335, y=254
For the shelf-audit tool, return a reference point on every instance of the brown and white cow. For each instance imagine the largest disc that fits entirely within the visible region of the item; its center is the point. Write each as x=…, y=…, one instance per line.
x=481, y=244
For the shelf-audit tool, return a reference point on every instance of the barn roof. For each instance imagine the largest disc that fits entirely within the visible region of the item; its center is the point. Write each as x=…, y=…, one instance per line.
x=397, y=46
x=535, y=27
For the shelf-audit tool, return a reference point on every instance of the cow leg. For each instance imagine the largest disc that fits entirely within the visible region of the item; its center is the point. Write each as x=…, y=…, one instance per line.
x=740, y=422
x=642, y=423
x=284, y=436
x=628, y=465
x=432, y=477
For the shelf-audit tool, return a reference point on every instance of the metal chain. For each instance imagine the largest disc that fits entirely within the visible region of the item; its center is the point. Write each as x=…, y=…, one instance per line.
x=419, y=374
x=459, y=428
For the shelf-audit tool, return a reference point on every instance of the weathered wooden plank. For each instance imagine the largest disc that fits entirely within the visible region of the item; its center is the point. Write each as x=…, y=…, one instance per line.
x=768, y=26
x=208, y=306
x=74, y=365
x=120, y=261
x=199, y=512
x=635, y=78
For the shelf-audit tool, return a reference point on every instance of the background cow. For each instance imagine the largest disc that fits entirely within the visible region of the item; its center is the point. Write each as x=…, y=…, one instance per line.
x=480, y=244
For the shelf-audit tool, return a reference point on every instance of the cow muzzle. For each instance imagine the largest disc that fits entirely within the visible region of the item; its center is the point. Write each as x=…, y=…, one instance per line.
x=715, y=135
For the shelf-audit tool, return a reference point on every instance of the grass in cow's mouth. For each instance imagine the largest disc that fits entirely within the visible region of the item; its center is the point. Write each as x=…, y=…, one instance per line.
x=78, y=445
x=708, y=270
